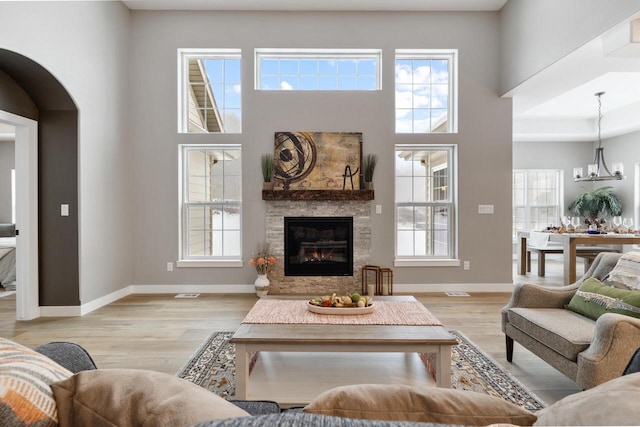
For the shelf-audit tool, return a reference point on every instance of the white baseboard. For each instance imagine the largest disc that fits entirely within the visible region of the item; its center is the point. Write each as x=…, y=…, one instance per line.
x=192, y=289
x=249, y=289
x=453, y=287
x=105, y=300
x=76, y=311
x=81, y=310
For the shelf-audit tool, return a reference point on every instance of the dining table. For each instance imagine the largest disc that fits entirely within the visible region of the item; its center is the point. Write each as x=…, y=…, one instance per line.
x=569, y=243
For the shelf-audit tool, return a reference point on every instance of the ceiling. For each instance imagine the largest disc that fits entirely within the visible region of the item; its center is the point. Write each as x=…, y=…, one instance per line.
x=559, y=103
x=319, y=5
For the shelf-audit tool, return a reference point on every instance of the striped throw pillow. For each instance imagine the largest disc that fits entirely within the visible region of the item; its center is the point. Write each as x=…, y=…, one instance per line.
x=26, y=398
x=626, y=273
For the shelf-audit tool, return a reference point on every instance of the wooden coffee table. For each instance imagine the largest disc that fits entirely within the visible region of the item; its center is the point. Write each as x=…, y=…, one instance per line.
x=252, y=338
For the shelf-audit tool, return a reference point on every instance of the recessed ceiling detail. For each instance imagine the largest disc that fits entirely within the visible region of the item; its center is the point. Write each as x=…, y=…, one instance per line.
x=623, y=89
x=557, y=103
x=622, y=41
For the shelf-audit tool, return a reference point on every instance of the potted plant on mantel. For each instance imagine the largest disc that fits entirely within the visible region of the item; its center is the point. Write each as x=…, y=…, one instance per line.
x=595, y=206
x=369, y=165
x=266, y=163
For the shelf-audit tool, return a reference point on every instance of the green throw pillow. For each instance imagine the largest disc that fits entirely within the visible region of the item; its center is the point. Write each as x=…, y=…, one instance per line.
x=593, y=299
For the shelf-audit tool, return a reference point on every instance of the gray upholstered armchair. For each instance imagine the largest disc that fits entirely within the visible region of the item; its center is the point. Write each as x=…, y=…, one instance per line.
x=588, y=352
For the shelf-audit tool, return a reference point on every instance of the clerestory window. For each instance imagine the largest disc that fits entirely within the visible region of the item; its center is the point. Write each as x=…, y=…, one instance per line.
x=318, y=69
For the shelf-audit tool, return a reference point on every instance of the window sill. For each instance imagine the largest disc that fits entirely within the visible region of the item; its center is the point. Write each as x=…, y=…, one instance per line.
x=399, y=262
x=208, y=263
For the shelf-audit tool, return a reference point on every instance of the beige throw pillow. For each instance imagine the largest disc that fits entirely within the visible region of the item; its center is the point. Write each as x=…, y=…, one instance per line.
x=626, y=273
x=129, y=397
x=423, y=404
x=614, y=403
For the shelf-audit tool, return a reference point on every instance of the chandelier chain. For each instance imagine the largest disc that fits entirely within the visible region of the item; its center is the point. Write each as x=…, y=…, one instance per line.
x=599, y=118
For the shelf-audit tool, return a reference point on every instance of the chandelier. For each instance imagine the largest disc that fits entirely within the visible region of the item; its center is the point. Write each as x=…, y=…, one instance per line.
x=594, y=169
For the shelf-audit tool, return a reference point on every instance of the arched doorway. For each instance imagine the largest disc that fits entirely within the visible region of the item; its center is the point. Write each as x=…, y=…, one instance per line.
x=45, y=114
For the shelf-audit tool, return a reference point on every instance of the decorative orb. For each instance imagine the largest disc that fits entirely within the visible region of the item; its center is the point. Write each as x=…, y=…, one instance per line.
x=295, y=156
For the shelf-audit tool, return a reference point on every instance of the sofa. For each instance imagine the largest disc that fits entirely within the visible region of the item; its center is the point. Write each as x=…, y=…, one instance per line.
x=586, y=330
x=82, y=395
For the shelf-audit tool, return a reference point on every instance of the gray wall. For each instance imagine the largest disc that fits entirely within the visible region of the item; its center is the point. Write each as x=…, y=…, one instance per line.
x=90, y=58
x=484, y=138
x=567, y=155
x=556, y=155
x=625, y=149
x=536, y=33
x=7, y=162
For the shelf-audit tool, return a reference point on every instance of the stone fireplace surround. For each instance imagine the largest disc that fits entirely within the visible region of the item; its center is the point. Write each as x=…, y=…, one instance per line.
x=276, y=210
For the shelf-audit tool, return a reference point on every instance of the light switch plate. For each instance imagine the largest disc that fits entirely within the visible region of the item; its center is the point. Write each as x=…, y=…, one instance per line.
x=378, y=209
x=64, y=209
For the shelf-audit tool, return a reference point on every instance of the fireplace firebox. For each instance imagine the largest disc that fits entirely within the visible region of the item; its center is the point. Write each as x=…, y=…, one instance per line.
x=318, y=246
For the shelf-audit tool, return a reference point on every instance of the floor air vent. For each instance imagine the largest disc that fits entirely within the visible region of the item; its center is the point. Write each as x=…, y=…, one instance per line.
x=187, y=296
x=457, y=294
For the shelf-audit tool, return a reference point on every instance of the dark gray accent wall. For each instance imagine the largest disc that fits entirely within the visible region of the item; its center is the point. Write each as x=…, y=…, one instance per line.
x=14, y=99
x=27, y=89
x=42, y=87
x=58, y=183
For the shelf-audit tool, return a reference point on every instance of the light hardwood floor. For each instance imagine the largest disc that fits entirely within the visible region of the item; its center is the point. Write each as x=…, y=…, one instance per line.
x=160, y=332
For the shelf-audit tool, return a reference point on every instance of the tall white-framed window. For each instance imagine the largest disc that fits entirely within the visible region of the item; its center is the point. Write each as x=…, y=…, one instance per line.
x=426, y=88
x=537, y=199
x=425, y=205
x=209, y=91
x=211, y=205
x=318, y=69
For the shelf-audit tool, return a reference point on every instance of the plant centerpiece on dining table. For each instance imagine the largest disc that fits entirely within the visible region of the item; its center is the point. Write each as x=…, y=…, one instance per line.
x=597, y=205
x=263, y=260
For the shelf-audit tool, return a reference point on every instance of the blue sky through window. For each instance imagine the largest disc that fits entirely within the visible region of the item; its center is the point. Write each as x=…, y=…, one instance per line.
x=318, y=72
x=422, y=94
x=224, y=76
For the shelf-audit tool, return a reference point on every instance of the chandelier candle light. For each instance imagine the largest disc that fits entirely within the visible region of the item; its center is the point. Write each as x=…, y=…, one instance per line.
x=594, y=169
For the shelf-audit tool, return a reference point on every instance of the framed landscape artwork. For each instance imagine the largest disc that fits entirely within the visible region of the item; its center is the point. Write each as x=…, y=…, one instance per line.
x=317, y=160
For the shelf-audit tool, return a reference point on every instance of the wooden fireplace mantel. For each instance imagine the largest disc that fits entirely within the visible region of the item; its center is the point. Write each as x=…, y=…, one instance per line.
x=317, y=194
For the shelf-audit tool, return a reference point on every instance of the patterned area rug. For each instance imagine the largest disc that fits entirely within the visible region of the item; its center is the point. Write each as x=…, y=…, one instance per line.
x=213, y=368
